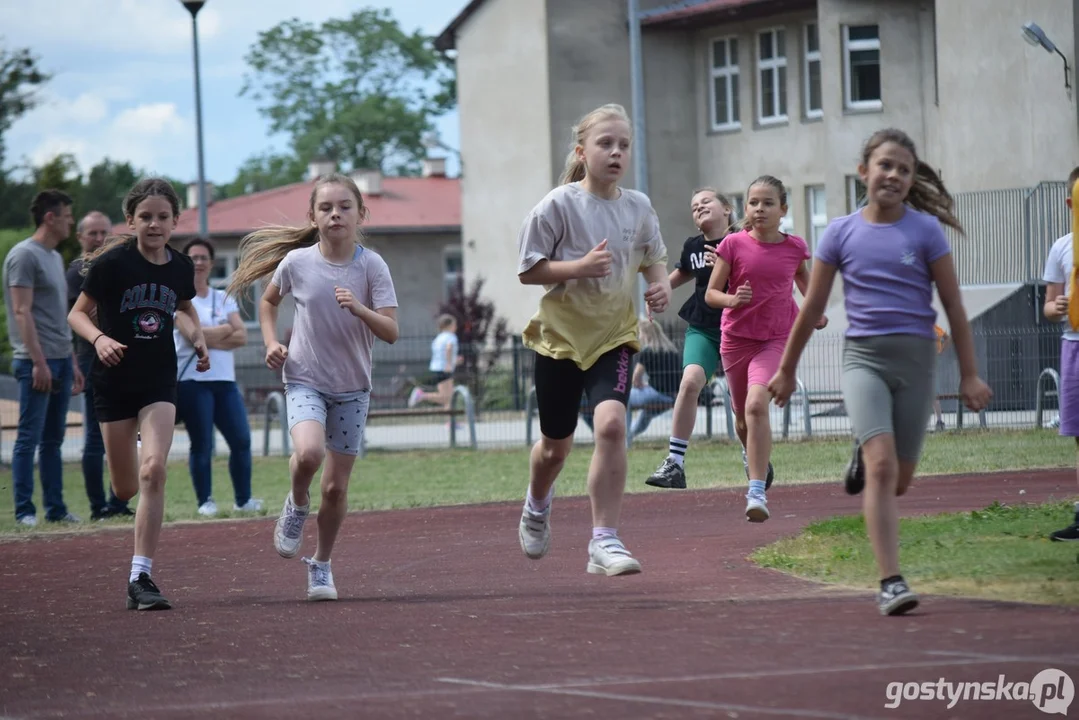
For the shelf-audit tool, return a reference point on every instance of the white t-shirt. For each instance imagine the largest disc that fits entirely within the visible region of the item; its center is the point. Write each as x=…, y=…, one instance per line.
x=1058, y=269
x=438, y=352
x=330, y=348
x=213, y=310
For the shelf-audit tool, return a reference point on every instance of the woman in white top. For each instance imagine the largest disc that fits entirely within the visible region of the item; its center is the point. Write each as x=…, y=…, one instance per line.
x=212, y=398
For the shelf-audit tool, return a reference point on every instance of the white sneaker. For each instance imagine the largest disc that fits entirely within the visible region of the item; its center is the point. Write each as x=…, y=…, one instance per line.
x=534, y=532
x=26, y=521
x=320, y=581
x=414, y=397
x=756, y=507
x=608, y=556
x=288, y=533
x=252, y=505
x=208, y=508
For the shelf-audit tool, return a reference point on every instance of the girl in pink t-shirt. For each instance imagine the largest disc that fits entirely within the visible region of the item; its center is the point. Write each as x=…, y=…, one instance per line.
x=761, y=264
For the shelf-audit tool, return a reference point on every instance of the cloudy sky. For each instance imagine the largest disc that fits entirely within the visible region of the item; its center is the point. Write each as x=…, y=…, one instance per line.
x=123, y=78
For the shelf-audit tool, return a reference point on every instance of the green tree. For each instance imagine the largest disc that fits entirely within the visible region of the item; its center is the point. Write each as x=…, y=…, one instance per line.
x=20, y=76
x=359, y=90
x=106, y=185
x=263, y=172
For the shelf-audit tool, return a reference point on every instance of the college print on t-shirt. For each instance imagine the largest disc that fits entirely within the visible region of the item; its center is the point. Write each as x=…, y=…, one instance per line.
x=153, y=303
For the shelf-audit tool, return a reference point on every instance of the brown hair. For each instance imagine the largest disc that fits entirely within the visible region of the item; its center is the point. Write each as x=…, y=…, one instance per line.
x=264, y=249
x=575, y=168
x=143, y=189
x=768, y=181
x=48, y=201
x=1072, y=177
x=928, y=193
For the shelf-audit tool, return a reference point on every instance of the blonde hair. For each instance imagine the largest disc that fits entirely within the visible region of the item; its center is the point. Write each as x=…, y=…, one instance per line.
x=445, y=320
x=575, y=167
x=722, y=199
x=264, y=249
x=653, y=337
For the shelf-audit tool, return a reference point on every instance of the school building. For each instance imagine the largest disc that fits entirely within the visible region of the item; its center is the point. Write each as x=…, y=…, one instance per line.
x=792, y=88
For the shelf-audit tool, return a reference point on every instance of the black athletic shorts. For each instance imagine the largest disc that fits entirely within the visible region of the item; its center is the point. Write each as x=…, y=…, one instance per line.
x=112, y=405
x=560, y=383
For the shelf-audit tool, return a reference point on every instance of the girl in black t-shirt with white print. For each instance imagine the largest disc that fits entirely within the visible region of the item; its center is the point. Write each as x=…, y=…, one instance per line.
x=133, y=287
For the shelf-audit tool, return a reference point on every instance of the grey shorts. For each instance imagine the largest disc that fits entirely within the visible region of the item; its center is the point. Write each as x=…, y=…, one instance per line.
x=888, y=384
x=343, y=415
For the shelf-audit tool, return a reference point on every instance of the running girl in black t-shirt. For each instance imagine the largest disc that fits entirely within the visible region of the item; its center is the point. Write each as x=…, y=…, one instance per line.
x=136, y=284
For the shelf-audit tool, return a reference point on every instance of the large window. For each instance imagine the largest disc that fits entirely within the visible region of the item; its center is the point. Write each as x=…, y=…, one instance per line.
x=856, y=193
x=772, y=80
x=723, y=87
x=814, y=107
x=861, y=67
x=220, y=276
x=453, y=267
x=817, y=202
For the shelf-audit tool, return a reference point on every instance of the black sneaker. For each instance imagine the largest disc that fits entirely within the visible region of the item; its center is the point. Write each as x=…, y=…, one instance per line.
x=142, y=594
x=1068, y=534
x=896, y=598
x=669, y=475
x=854, y=477
x=771, y=471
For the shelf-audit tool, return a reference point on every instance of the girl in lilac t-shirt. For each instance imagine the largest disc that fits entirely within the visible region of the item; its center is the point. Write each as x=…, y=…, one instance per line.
x=762, y=265
x=890, y=254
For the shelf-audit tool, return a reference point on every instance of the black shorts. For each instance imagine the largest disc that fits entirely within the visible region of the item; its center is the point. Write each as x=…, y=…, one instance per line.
x=113, y=405
x=436, y=378
x=560, y=383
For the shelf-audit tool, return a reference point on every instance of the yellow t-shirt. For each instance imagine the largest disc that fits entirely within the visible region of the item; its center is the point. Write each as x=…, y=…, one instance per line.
x=582, y=319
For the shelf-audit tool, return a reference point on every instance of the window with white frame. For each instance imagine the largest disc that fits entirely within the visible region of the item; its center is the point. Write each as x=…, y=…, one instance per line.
x=817, y=202
x=452, y=271
x=739, y=207
x=861, y=67
x=814, y=107
x=723, y=90
x=786, y=224
x=224, y=266
x=772, y=77
x=857, y=196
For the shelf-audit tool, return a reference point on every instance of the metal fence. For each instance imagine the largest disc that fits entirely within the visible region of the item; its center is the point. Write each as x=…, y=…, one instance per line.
x=1019, y=364
x=1008, y=232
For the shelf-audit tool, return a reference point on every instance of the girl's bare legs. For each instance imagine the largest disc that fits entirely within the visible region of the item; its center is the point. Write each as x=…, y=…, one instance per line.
x=334, y=505
x=685, y=405
x=545, y=463
x=758, y=432
x=309, y=440
x=607, y=471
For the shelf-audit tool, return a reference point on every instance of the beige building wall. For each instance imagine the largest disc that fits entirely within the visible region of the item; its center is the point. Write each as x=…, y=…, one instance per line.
x=1005, y=119
x=506, y=131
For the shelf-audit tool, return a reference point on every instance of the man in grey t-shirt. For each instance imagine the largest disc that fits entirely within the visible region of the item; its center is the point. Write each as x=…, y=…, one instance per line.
x=35, y=292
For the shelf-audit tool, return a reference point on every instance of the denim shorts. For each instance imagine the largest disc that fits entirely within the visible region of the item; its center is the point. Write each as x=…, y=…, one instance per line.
x=343, y=415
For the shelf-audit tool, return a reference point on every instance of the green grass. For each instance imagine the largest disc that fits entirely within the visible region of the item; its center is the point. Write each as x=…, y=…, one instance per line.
x=997, y=553
x=384, y=480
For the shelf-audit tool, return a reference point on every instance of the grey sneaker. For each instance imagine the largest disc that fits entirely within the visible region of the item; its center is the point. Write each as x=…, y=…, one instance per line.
x=534, y=532
x=288, y=533
x=608, y=556
x=669, y=475
x=896, y=598
x=756, y=507
x=771, y=471
x=319, y=581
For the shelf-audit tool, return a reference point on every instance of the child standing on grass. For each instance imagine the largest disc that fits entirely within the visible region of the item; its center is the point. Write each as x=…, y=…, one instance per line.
x=712, y=214
x=890, y=254
x=1058, y=268
x=585, y=242
x=761, y=264
x=133, y=287
x=344, y=300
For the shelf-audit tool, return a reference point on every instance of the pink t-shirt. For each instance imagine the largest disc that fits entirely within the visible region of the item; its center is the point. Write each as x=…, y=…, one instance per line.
x=769, y=269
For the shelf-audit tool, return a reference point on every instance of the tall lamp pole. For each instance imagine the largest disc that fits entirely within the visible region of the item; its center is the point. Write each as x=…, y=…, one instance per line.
x=193, y=7
x=640, y=149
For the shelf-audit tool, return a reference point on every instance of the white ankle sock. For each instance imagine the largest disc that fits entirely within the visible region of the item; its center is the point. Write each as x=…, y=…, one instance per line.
x=139, y=564
x=676, y=451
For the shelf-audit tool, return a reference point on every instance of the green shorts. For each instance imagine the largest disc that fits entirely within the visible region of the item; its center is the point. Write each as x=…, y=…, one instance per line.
x=701, y=348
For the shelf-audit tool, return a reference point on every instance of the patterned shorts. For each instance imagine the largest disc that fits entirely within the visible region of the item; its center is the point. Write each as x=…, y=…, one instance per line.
x=343, y=415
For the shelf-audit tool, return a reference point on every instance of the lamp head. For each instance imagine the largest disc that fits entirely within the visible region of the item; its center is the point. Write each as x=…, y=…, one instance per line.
x=193, y=6
x=1036, y=36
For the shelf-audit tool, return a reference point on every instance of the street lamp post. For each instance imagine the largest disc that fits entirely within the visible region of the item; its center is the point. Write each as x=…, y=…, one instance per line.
x=193, y=7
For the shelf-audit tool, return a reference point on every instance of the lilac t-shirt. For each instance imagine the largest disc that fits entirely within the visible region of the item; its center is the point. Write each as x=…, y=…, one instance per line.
x=330, y=348
x=887, y=284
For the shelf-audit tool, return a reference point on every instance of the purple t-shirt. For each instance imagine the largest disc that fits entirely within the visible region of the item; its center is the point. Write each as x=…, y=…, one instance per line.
x=887, y=284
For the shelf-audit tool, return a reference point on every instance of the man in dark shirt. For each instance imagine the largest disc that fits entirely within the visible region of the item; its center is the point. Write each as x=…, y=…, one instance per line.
x=92, y=231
